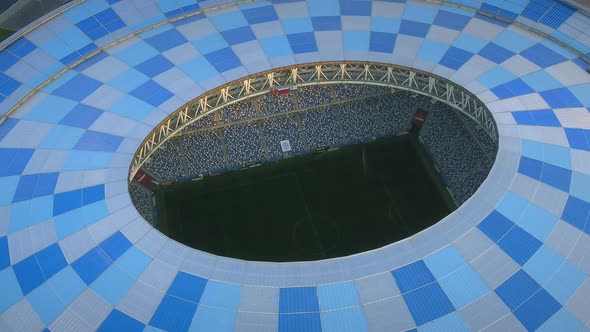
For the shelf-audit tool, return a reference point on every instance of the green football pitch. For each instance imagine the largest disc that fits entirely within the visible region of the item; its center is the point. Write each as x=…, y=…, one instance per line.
x=319, y=206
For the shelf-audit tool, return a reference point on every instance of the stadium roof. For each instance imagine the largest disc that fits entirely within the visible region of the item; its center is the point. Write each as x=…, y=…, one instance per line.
x=84, y=87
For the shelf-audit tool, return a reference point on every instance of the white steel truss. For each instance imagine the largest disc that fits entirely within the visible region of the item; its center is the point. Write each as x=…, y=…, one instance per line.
x=395, y=77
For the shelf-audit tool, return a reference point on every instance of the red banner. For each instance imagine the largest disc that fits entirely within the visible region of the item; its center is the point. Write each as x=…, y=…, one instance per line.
x=419, y=118
x=282, y=91
x=142, y=177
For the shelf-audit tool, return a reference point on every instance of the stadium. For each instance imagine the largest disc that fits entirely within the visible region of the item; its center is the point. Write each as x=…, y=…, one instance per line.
x=104, y=100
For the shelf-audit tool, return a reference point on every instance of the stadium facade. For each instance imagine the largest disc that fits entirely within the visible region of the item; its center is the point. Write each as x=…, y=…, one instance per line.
x=81, y=88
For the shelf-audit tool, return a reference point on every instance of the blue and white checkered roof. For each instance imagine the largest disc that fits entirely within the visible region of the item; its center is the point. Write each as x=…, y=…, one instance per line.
x=90, y=82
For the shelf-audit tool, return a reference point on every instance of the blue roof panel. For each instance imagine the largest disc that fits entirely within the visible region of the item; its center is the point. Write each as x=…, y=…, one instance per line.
x=6, y=127
x=14, y=161
x=82, y=116
x=537, y=310
x=51, y=260
x=557, y=177
x=91, y=265
x=519, y=244
x=303, y=42
x=223, y=60
x=113, y=284
x=577, y=213
x=495, y=226
x=454, y=58
x=336, y=296
x=221, y=295
x=517, y=289
x=463, y=287
x=238, y=35
x=78, y=88
x=298, y=299
x=355, y=8
x=152, y=93
x=542, y=56
x=545, y=118
x=154, y=66
x=98, y=57
x=350, y=319
x=11, y=292
x=7, y=60
x=174, y=314
x=578, y=138
x=67, y=201
x=67, y=285
x=213, y=319
x=511, y=89
x=382, y=42
x=557, y=15
x=115, y=246
x=21, y=47
x=120, y=321
x=107, y=16
x=560, y=98
x=326, y=23
x=96, y=141
x=92, y=194
x=428, y=303
x=323, y=8
x=46, y=303
x=300, y=322
x=134, y=261
x=4, y=253
x=26, y=187
x=536, y=9
x=276, y=46
x=495, y=53
x=444, y=261
x=415, y=29
x=412, y=276
x=260, y=14
x=561, y=320
x=188, y=287
x=451, y=20
x=228, y=20
x=530, y=167
x=29, y=274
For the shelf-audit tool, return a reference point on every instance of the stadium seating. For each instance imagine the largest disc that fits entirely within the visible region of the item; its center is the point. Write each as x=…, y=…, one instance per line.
x=238, y=111
x=486, y=141
x=203, y=123
x=278, y=129
x=397, y=110
x=462, y=189
x=243, y=144
x=204, y=153
x=273, y=104
x=166, y=163
x=313, y=96
x=322, y=127
x=358, y=121
x=454, y=149
x=142, y=201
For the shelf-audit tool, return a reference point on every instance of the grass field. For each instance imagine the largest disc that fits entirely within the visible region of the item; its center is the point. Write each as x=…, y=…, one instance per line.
x=308, y=208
